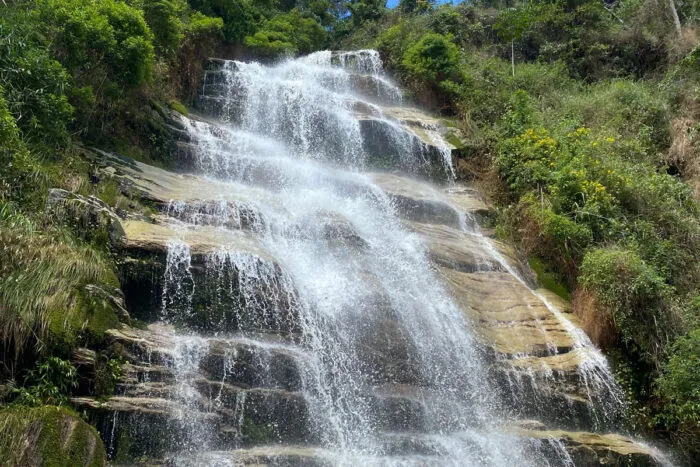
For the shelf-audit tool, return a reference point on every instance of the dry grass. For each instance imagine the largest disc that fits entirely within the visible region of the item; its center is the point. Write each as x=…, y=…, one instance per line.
x=684, y=152
x=596, y=321
x=680, y=47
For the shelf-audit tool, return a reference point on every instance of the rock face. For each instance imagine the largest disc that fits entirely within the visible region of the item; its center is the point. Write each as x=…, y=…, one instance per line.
x=238, y=391
x=533, y=351
x=48, y=436
x=88, y=215
x=308, y=312
x=391, y=137
x=593, y=449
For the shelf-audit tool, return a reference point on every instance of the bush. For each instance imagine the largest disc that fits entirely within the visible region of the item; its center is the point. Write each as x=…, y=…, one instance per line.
x=635, y=296
x=33, y=84
x=290, y=33
x=238, y=16
x=434, y=58
x=94, y=40
x=163, y=18
x=48, y=383
x=679, y=388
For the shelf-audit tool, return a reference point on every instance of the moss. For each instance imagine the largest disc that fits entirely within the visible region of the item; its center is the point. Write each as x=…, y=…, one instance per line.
x=139, y=324
x=109, y=192
x=107, y=373
x=86, y=324
x=549, y=280
x=454, y=141
x=48, y=436
x=450, y=123
x=257, y=433
x=124, y=443
x=178, y=107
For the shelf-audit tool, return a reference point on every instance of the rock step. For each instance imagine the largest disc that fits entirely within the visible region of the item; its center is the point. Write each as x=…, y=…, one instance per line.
x=559, y=447
x=586, y=449
x=375, y=88
x=243, y=362
x=414, y=200
x=280, y=456
x=221, y=417
x=388, y=142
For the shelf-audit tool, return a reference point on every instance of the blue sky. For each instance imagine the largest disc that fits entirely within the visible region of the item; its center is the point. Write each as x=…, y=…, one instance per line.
x=393, y=3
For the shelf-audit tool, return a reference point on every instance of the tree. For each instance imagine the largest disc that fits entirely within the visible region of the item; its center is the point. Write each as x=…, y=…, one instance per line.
x=433, y=58
x=416, y=6
x=366, y=10
x=290, y=33
x=238, y=15
x=163, y=18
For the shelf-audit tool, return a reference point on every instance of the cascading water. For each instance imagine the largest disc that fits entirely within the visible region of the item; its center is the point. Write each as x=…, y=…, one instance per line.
x=322, y=328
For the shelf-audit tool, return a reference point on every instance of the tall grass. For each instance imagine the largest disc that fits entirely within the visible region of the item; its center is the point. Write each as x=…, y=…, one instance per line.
x=41, y=275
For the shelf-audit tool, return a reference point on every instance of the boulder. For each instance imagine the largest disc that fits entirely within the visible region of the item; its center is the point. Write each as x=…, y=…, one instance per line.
x=48, y=436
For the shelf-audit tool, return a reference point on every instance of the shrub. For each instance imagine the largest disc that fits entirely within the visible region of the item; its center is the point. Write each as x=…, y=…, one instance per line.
x=163, y=18
x=48, y=383
x=33, y=84
x=433, y=58
x=679, y=388
x=99, y=39
x=238, y=16
x=635, y=296
x=290, y=33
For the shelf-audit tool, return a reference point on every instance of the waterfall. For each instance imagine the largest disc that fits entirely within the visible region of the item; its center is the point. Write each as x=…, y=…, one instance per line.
x=326, y=304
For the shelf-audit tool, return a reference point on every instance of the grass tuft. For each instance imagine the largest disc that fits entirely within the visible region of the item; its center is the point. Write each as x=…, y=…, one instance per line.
x=41, y=278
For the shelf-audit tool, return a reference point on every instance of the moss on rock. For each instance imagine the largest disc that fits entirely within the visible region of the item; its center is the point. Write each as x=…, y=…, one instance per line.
x=48, y=436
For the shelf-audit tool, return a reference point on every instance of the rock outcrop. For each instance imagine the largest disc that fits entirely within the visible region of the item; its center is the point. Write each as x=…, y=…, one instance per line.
x=48, y=436
x=90, y=216
x=306, y=304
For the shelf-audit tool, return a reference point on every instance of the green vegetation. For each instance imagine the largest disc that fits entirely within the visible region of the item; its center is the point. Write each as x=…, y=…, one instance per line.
x=48, y=383
x=43, y=274
x=48, y=436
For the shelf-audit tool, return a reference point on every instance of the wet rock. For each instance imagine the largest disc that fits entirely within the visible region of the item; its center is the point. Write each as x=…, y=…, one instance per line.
x=418, y=201
x=592, y=449
x=133, y=427
x=278, y=456
x=85, y=362
x=111, y=295
x=249, y=366
x=392, y=147
x=509, y=317
x=376, y=88
x=456, y=249
x=398, y=413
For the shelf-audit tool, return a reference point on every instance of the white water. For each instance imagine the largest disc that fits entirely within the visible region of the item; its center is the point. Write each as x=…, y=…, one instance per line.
x=337, y=277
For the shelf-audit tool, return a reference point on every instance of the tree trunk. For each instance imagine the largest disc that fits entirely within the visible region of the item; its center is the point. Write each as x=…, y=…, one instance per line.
x=676, y=20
